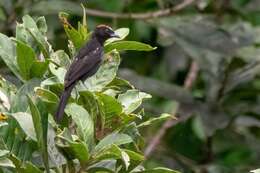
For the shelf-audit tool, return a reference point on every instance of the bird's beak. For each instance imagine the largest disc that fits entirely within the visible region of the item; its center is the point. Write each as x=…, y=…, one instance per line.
x=114, y=35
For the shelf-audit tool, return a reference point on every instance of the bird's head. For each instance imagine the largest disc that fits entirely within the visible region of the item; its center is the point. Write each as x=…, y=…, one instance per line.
x=104, y=32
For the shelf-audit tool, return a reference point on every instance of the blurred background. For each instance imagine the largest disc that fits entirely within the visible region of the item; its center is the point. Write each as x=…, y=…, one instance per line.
x=205, y=71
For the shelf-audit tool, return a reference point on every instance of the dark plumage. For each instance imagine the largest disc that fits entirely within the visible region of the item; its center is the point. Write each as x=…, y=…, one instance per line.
x=85, y=64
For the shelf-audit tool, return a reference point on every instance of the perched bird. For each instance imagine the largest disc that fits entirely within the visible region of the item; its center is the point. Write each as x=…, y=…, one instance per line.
x=85, y=64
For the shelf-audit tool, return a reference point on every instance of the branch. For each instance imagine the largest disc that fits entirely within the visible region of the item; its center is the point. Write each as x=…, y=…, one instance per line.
x=190, y=78
x=140, y=16
x=192, y=75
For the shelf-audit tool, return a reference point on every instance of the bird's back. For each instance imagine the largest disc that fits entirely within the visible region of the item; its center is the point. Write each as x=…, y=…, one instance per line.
x=85, y=63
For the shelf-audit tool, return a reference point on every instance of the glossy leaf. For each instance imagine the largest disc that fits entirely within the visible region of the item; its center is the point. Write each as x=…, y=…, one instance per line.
x=8, y=54
x=30, y=168
x=128, y=45
x=121, y=32
x=20, y=102
x=158, y=170
x=114, y=138
x=74, y=149
x=111, y=106
x=46, y=95
x=31, y=27
x=255, y=171
x=60, y=58
x=26, y=123
x=78, y=37
x=3, y=153
x=132, y=99
x=157, y=119
x=59, y=72
x=83, y=121
x=134, y=156
x=38, y=126
x=108, y=165
x=4, y=162
x=39, y=68
x=41, y=24
x=25, y=58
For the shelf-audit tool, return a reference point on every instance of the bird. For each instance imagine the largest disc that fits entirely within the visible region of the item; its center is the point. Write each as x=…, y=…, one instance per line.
x=85, y=64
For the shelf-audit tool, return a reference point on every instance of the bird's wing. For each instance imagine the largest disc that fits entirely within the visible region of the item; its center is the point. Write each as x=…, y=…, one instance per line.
x=81, y=66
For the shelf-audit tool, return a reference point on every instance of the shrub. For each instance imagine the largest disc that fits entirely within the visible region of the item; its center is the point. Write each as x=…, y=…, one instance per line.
x=100, y=132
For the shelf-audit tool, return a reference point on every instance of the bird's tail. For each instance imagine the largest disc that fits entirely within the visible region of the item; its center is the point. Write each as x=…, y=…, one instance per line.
x=63, y=101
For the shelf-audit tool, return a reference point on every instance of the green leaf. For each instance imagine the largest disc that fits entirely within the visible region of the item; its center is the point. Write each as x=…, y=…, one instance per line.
x=20, y=101
x=26, y=123
x=111, y=152
x=128, y=45
x=38, y=126
x=132, y=99
x=31, y=27
x=61, y=58
x=75, y=36
x=255, y=171
x=56, y=158
x=4, y=153
x=83, y=31
x=25, y=167
x=59, y=72
x=114, y=138
x=78, y=37
x=105, y=74
x=108, y=165
x=155, y=120
x=21, y=34
x=8, y=54
x=41, y=24
x=125, y=159
x=80, y=151
x=121, y=32
x=25, y=58
x=4, y=100
x=39, y=68
x=46, y=95
x=83, y=28
x=74, y=149
x=51, y=81
x=93, y=105
x=28, y=65
x=4, y=162
x=134, y=156
x=111, y=106
x=84, y=122
x=120, y=84
x=30, y=168
x=158, y=170
x=13, y=139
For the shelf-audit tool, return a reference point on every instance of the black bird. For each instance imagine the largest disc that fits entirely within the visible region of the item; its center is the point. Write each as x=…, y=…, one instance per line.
x=85, y=64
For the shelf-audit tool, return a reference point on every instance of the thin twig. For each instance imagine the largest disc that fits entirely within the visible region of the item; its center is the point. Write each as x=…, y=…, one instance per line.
x=190, y=78
x=140, y=16
x=192, y=74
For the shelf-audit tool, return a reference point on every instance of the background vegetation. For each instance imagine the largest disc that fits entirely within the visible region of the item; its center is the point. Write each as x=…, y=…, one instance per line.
x=204, y=70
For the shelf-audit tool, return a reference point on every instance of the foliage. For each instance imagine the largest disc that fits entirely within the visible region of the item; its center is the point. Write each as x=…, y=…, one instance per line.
x=218, y=131
x=100, y=130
